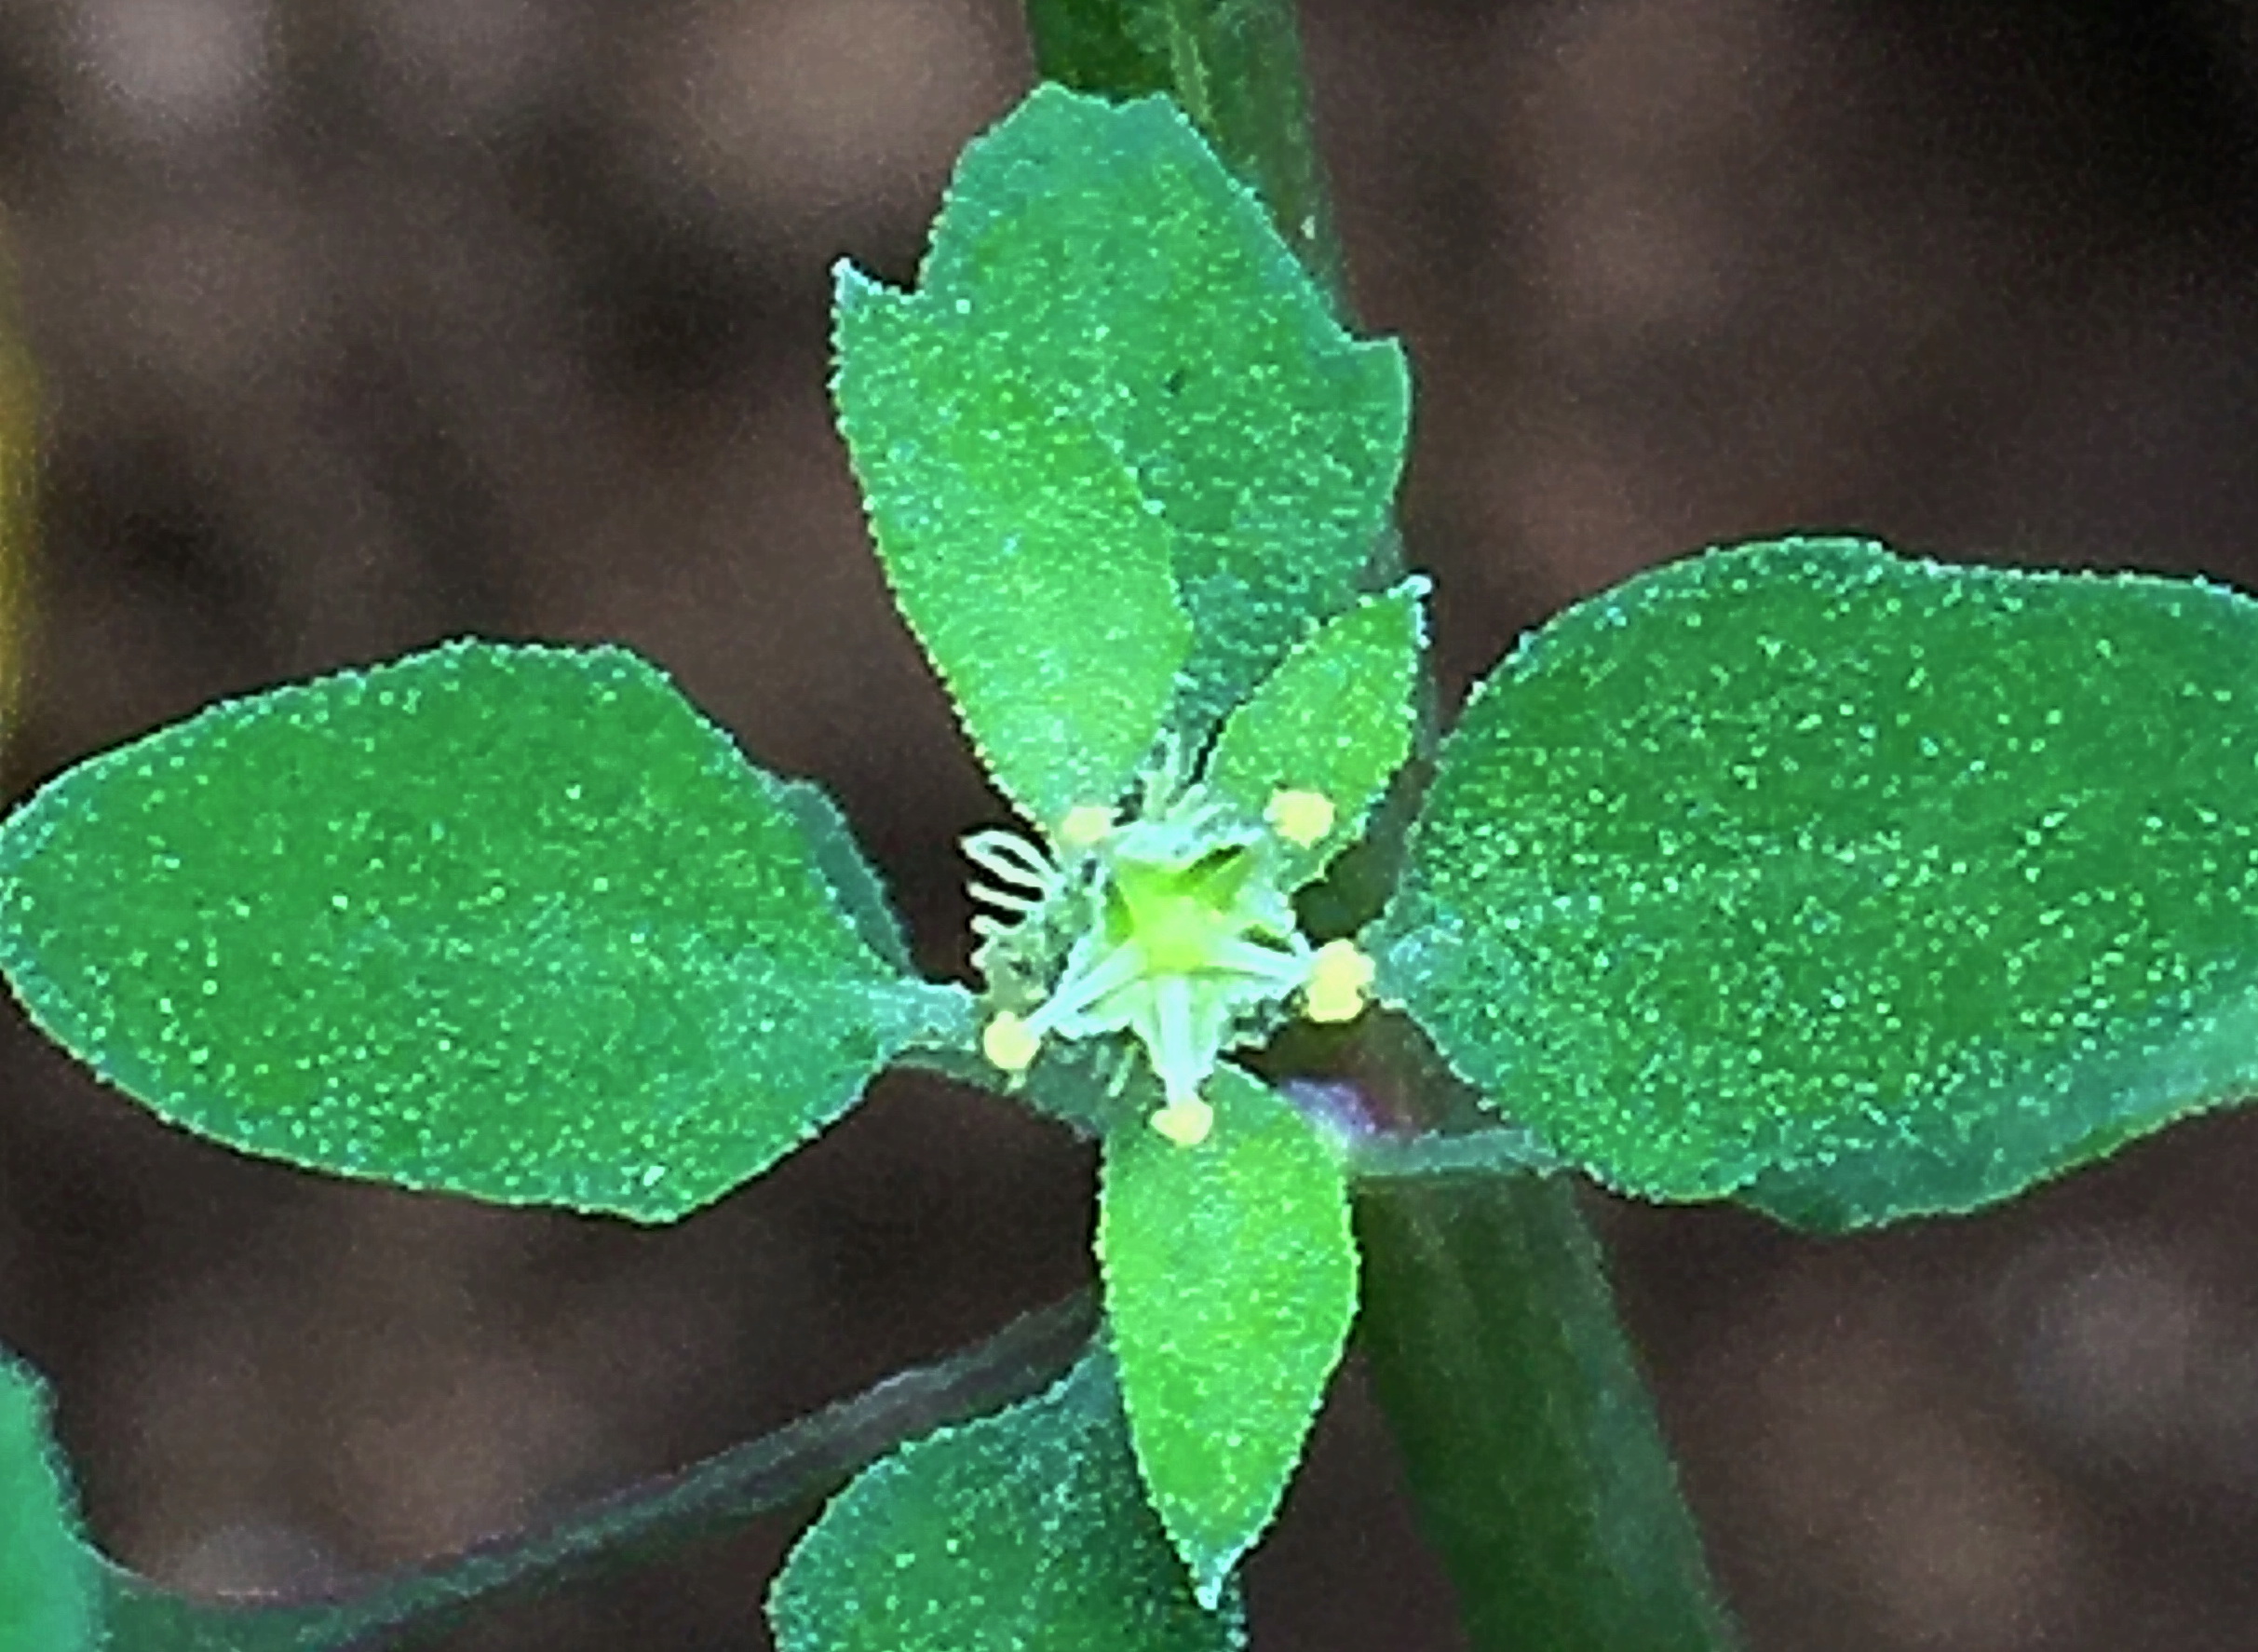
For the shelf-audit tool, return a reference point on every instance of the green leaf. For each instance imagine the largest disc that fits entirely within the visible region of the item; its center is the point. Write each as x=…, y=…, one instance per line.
x=854, y=884
x=47, y=1575
x=1099, y=281
x=1861, y=887
x=990, y=511
x=1336, y=718
x=1024, y=1532
x=516, y=923
x=1230, y=1282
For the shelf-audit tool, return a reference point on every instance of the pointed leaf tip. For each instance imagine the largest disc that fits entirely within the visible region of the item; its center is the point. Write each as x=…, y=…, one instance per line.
x=1024, y=1532
x=1230, y=1279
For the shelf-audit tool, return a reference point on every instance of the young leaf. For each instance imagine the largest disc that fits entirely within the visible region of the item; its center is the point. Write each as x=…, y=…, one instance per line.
x=1098, y=283
x=509, y=922
x=1334, y=722
x=47, y=1575
x=1230, y=1280
x=1024, y=1532
x=837, y=858
x=1859, y=885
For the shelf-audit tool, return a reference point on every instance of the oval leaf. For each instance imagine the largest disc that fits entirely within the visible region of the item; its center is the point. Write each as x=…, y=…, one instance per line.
x=47, y=1576
x=1111, y=277
x=1024, y=1532
x=1336, y=720
x=1860, y=885
x=1230, y=1282
x=509, y=922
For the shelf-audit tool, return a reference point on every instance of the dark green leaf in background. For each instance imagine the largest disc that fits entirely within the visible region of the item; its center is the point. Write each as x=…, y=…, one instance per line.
x=1024, y=1532
x=47, y=1576
x=1098, y=283
x=1858, y=885
x=1335, y=719
x=510, y=922
x=1230, y=1282
x=837, y=858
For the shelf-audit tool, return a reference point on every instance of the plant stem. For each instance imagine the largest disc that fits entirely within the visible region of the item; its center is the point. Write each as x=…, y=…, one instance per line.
x=1529, y=1439
x=1531, y=1444
x=1532, y=1447
x=794, y=1465
x=1506, y=1149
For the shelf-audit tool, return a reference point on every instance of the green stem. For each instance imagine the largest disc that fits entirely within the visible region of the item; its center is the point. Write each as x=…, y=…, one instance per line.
x=1532, y=1447
x=786, y=1469
x=1530, y=1441
x=1506, y=1149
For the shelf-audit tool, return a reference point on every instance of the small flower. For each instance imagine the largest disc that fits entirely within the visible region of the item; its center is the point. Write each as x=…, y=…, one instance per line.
x=1172, y=928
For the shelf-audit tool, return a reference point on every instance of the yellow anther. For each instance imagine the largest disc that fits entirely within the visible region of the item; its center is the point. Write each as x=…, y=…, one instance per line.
x=1011, y=1043
x=1340, y=983
x=1301, y=818
x=1085, y=825
x=1187, y=1123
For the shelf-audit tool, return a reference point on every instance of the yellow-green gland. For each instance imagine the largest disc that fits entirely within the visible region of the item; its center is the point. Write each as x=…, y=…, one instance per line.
x=1007, y=1042
x=1340, y=983
x=1185, y=1123
x=1301, y=818
x=1085, y=825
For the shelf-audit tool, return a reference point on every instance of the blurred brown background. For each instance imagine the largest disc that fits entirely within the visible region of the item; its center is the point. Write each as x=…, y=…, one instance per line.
x=368, y=322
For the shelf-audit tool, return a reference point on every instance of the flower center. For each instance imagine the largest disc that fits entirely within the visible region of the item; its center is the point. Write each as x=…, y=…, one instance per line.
x=1182, y=921
x=1172, y=928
